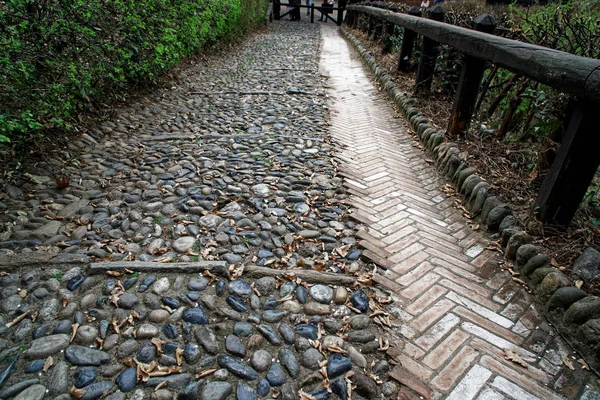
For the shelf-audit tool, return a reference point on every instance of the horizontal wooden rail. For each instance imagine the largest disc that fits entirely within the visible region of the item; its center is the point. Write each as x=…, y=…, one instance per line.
x=305, y=6
x=570, y=73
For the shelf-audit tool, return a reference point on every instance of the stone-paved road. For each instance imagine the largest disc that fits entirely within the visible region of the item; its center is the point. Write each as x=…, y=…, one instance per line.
x=232, y=165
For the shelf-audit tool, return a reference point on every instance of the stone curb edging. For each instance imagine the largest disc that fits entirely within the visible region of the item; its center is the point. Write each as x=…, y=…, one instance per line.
x=575, y=314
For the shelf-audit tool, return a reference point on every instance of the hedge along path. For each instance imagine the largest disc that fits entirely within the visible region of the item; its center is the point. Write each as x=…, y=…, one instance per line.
x=470, y=331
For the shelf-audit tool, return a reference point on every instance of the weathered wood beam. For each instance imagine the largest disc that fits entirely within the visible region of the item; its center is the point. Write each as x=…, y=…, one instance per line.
x=408, y=42
x=429, y=54
x=567, y=72
x=469, y=83
x=574, y=167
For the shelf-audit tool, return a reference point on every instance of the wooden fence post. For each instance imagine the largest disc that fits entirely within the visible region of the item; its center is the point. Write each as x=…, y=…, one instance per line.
x=429, y=53
x=408, y=42
x=469, y=82
x=340, y=12
x=388, y=34
x=574, y=167
x=276, y=10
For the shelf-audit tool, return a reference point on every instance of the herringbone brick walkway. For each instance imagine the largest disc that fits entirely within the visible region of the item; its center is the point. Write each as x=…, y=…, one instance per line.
x=461, y=312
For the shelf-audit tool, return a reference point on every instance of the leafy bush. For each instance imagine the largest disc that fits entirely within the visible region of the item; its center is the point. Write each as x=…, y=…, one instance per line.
x=61, y=57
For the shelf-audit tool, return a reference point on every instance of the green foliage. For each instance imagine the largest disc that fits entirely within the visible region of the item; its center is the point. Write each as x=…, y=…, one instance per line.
x=61, y=57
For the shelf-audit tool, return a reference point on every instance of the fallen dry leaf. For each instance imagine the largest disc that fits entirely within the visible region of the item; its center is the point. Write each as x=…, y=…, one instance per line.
x=48, y=363
x=583, y=364
x=73, y=331
x=77, y=393
x=206, y=372
x=515, y=357
x=568, y=362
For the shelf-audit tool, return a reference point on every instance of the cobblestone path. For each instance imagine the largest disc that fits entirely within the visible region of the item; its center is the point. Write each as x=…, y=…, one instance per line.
x=462, y=314
x=205, y=247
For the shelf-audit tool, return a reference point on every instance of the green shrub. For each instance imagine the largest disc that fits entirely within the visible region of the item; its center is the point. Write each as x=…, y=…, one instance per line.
x=61, y=57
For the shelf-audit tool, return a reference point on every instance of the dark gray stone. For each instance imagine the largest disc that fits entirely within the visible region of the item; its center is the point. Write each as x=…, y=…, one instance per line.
x=191, y=353
x=263, y=388
x=276, y=375
x=96, y=390
x=587, y=265
x=527, y=252
x=269, y=334
x=47, y=346
x=516, y=240
x=582, y=311
x=337, y=365
x=308, y=331
x=234, y=345
x=58, y=382
x=289, y=361
x=365, y=386
x=564, y=297
x=127, y=380
x=360, y=301
x=496, y=216
x=240, y=288
x=489, y=204
x=79, y=355
x=175, y=381
x=236, y=367
x=84, y=376
x=535, y=262
x=207, y=339
x=196, y=316
x=287, y=333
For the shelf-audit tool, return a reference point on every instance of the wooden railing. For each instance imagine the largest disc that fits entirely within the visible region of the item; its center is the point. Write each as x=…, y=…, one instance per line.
x=325, y=11
x=577, y=160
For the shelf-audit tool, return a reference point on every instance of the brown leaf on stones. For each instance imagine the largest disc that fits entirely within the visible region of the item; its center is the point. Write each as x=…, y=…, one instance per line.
x=22, y=293
x=161, y=385
x=323, y=371
x=48, y=363
x=568, y=362
x=158, y=344
x=384, y=344
x=206, y=372
x=212, y=278
x=578, y=283
x=336, y=349
x=179, y=355
x=236, y=272
x=115, y=274
x=115, y=325
x=163, y=260
x=377, y=379
x=77, y=393
x=160, y=250
x=515, y=357
x=583, y=364
x=73, y=331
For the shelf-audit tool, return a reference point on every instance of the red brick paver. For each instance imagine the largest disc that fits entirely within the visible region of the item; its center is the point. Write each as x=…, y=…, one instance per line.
x=462, y=312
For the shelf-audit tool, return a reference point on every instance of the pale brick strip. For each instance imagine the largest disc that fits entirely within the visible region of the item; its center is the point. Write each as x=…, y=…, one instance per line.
x=459, y=312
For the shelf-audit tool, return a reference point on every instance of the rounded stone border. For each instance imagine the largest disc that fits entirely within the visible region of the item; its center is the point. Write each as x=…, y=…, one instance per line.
x=575, y=314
